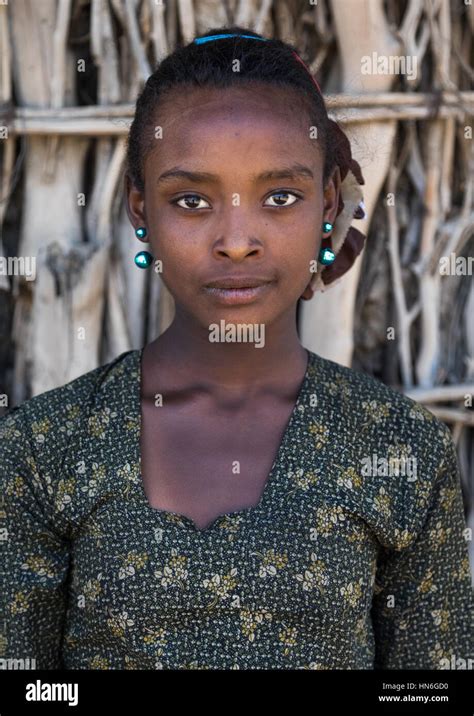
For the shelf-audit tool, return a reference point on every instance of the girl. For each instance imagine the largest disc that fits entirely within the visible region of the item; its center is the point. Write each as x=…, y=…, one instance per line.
x=224, y=503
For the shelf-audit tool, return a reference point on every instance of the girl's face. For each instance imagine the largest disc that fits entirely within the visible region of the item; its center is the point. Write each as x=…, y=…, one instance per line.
x=233, y=188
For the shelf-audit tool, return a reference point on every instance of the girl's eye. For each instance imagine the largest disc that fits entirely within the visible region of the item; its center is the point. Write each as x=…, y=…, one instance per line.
x=190, y=198
x=195, y=199
x=280, y=194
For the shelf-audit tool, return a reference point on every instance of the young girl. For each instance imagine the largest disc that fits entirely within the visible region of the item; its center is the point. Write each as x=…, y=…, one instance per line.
x=210, y=500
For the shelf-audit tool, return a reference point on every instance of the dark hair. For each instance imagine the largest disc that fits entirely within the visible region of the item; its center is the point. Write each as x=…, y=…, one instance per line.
x=209, y=65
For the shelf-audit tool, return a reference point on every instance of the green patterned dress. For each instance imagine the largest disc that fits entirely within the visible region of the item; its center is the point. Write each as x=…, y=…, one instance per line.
x=356, y=556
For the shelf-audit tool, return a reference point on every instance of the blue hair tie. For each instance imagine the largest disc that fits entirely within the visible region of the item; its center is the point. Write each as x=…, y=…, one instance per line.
x=201, y=40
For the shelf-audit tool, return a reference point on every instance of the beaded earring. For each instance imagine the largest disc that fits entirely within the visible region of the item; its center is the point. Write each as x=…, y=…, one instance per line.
x=326, y=254
x=143, y=259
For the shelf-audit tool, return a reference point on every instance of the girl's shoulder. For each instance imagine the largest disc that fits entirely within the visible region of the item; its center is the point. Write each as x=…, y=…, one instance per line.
x=393, y=459
x=375, y=411
x=56, y=413
x=46, y=442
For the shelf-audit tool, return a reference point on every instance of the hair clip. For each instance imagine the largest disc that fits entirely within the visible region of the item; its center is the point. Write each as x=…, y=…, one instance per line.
x=201, y=40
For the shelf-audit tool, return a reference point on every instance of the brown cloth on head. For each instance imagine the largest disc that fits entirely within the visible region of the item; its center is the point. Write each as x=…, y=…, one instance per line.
x=347, y=242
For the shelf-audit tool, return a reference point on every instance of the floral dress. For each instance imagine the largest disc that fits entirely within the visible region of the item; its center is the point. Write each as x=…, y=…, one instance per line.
x=355, y=557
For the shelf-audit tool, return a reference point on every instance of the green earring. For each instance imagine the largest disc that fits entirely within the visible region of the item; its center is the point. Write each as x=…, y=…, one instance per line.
x=326, y=255
x=143, y=259
x=141, y=232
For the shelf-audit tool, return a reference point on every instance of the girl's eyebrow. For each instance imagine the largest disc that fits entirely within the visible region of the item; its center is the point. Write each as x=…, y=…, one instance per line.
x=295, y=171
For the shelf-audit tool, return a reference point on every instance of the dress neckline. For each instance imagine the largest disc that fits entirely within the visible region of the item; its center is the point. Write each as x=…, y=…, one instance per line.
x=271, y=482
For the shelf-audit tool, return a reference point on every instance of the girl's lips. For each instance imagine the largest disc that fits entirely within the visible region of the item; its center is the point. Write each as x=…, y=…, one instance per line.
x=242, y=295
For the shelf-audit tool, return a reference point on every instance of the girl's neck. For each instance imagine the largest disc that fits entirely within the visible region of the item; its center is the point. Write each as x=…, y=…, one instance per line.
x=183, y=355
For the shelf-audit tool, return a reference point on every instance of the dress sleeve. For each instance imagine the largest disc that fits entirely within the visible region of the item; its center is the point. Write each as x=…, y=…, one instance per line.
x=423, y=604
x=35, y=557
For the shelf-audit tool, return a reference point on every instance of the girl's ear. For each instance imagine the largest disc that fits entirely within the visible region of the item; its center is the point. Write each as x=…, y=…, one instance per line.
x=332, y=195
x=134, y=202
